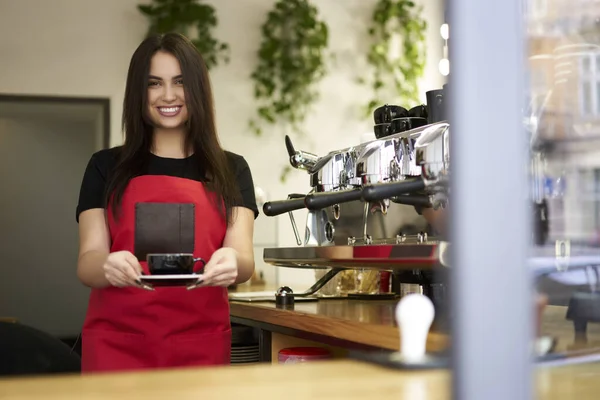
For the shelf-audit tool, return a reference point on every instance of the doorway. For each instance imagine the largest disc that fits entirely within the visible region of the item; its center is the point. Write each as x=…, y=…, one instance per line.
x=45, y=144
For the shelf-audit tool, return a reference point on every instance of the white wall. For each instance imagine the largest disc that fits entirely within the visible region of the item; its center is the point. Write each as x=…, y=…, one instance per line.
x=82, y=48
x=69, y=47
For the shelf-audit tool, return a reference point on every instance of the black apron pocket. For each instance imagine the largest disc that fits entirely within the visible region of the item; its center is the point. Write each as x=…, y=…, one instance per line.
x=163, y=228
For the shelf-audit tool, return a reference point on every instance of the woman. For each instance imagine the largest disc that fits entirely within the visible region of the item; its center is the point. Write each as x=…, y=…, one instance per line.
x=170, y=188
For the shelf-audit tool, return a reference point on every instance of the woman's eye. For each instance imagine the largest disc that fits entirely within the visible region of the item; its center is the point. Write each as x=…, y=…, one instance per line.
x=153, y=83
x=179, y=82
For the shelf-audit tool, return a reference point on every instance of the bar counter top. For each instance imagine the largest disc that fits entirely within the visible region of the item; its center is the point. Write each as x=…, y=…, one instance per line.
x=319, y=380
x=371, y=324
x=357, y=322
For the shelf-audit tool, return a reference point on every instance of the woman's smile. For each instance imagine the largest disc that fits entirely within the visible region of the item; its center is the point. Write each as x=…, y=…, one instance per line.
x=169, y=111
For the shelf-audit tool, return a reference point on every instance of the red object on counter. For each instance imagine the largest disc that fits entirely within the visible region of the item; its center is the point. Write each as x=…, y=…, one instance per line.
x=293, y=355
x=384, y=281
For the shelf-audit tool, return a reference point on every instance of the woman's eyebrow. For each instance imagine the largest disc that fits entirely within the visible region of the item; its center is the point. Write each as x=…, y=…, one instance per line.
x=160, y=79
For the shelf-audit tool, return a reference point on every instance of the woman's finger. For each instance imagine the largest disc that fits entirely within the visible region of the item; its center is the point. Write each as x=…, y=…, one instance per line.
x=116, y=279
x=125, y=276
x=223, y=280
x=129, y=272
x=207, y=280
x=132, y=269
x=210, y=269
x=115, y=273
x=199, y=283
x=222, y=283
x=134, y=262
x=215, y=272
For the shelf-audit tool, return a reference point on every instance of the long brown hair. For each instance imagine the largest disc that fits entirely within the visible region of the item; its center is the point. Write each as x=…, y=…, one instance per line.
x=201, y=136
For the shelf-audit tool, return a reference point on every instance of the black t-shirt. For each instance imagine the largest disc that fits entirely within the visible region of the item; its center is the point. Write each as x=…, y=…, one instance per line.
x=101, y=164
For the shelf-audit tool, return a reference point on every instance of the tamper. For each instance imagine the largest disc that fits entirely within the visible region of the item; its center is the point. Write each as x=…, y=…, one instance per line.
x=284, y=297
x=414, y=316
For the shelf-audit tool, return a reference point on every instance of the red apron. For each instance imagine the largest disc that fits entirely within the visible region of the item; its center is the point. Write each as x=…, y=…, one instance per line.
x=131, y=328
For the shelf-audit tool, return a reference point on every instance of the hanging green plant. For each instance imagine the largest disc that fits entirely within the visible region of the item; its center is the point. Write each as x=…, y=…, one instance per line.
x=194, y=19
x=290, y=63
x=396, y=54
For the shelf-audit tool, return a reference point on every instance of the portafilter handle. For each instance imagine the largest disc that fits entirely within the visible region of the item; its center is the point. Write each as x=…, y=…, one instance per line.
x=413, y=200
x=274, y=208
x=381, y=191
x=318, y=201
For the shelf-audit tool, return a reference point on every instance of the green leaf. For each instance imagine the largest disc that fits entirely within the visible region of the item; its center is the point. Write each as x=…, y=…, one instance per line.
x=291, y=59
x=180, y=16
x=285, y=173
x=145, y=9
x=395, y=79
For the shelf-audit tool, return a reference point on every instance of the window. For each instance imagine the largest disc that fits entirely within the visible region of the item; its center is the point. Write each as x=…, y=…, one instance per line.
x=538, y=79
x=589, y=85
x=595, y=221
x=537, y=8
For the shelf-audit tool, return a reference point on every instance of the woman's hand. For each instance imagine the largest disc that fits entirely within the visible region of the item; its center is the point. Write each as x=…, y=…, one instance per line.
x=122, y=269
x=222, y=268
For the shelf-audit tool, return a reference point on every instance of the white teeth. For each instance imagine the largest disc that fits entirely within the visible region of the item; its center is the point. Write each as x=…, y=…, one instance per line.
x=169, y=109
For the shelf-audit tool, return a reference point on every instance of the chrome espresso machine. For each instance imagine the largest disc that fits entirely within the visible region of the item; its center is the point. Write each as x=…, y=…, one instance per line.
x=363, y=206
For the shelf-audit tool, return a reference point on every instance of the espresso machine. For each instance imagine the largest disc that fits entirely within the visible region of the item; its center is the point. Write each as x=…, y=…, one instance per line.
x=364, y=201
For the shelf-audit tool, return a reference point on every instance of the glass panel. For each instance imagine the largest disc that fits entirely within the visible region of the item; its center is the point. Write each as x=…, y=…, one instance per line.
x=597, y=97
x=586, y=67
x=586, y=98
x=538, y=80
x=566, y=166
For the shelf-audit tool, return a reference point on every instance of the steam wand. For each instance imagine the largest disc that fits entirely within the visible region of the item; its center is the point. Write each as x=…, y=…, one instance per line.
x=300, y=159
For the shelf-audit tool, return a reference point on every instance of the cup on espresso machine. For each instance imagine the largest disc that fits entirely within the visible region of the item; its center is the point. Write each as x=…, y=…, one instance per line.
x=383, y=117
x=436, y=111
x=385, y=114
x=392, y=119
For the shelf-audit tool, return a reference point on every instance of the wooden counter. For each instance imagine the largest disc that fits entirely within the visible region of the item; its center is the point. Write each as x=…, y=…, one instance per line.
x=370, y=325
x=324, y=380
x=344, y=323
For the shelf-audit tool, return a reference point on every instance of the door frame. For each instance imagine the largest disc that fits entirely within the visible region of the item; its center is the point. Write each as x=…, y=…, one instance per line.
x=103, y=102
x=73, y=342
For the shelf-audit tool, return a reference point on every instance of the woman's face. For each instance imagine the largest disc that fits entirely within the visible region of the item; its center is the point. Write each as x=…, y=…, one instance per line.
x=166, y=98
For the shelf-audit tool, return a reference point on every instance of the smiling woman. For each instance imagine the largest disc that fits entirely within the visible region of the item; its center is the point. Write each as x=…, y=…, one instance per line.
x=170, y=189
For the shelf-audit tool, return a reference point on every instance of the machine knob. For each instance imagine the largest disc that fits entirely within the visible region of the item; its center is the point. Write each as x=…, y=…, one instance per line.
x=284, y=297
x=284, y=291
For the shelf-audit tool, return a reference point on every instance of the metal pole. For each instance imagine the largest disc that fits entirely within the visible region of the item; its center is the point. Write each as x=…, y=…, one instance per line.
x=492, y=303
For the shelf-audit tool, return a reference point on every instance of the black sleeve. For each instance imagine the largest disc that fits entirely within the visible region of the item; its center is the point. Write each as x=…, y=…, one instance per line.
x=246, y=185
x=91, y=193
